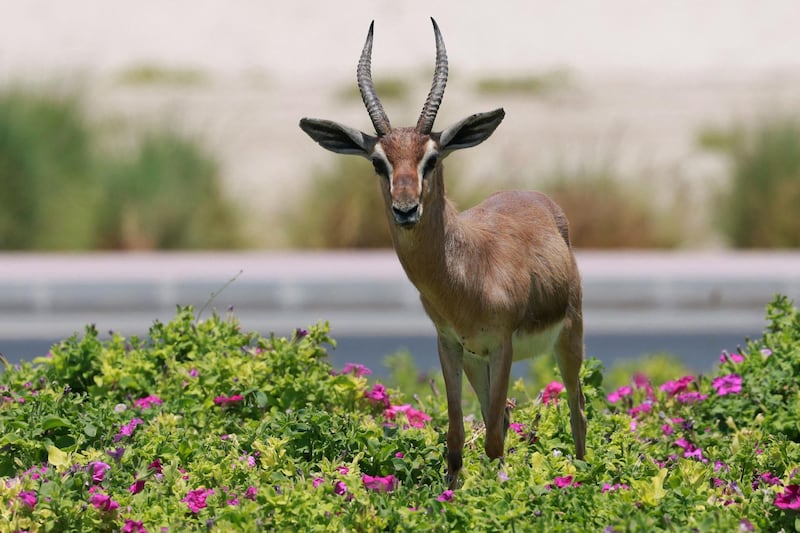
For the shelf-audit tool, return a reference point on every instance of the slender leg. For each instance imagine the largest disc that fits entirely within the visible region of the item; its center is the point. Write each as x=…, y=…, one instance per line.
x=497, y=417
x=569, y=354
x=450, y=356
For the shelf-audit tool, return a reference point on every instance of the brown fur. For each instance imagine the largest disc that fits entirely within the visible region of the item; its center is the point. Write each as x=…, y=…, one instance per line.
x=502, y=268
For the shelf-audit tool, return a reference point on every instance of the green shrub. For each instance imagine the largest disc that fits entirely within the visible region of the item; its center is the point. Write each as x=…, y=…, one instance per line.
x=759, y=209
x=61, y=191
x=166, y=196
x=604, y=213
x=535, y=84
x=149, y=74
x=46, y=173
x=204, y=427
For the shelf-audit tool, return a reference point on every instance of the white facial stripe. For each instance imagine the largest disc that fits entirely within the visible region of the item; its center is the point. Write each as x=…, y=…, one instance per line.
x=430, y=149
x=379, y=153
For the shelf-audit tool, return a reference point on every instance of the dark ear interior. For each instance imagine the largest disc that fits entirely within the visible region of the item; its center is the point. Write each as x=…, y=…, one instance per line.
x=471, y=131
x=337, y=137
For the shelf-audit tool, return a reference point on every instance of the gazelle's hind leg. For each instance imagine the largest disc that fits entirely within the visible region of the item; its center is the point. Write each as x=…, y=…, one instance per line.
x=569, y=354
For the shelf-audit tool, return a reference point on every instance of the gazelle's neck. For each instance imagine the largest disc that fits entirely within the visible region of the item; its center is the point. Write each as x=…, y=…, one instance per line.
x=424, y=249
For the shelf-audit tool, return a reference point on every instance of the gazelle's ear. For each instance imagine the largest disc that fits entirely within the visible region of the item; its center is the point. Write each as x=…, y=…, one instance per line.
x=338, y=138
x=471, y=131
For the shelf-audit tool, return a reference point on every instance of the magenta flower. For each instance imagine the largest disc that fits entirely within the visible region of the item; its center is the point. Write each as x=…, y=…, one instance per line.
x=228, y=400
x=416, y=419
x=356, y=369
x=690, y=451
x=196, y=499
x=690, y=397
x=732, y=357
x=446, y=496
x=676, y=387
x=103, y=502
x=137, y=487
x=551, y=392
x=607, y=487
x=155, y=466
x=133, y=526
x=730, y=384
x=126, y=430
x=339, y=488
x=99, y=469
x=28, y=498
x=789, y=499
x=399, y=455
x=317, y=482
x=378, y=394
x=251, y=493
x=768, y=478
x=517, y=428
x=147, y=402
x=378, y=483
x=620, y=393
x=563, y=482
x=641, y=409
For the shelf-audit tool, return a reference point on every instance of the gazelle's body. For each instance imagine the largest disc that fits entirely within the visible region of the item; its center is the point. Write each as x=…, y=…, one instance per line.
x=499, y=281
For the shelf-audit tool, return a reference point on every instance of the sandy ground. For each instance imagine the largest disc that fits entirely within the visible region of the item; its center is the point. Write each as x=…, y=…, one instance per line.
x=644, y=79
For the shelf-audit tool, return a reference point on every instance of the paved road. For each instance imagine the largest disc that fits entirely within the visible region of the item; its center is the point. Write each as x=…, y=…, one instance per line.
x=691, y=304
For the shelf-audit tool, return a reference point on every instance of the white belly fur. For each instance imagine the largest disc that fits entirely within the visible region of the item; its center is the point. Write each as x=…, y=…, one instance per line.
x=543, y=342
x=524, y=345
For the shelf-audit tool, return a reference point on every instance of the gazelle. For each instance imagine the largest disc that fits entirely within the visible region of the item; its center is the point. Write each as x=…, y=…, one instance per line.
x=499, y=281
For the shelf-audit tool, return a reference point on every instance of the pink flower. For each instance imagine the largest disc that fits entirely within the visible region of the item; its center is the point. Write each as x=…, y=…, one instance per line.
x=155, y=466
x=765, y=352
x=551, y=392
x=620, y=393
x=732, y=357
x=356, y=369
x=227, y=400
x=99, y=469
x=137, y=487
x=767, y=478
x=446, y=496
x=196, y=499
x=103, y=502
x=730, y=384
x=675, y=387
x=641, y=409
x=339, y=488
x=690, y=450
x=690, y=397
x=399, y=455
x=343, y=470
x=317, y=482
x=28, y=498
x=615, y=487
x=563, y=482
x=517, y=428
x=132, y=526
x=147, y=402
x=378, y=483
x=126, y=430
x=416, y=419
x=378, y=394
x=251, y=493
x=790, y=499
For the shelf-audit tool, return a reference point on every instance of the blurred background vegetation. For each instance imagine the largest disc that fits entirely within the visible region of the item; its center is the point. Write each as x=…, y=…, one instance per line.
x=68, y=185
x=64, y=189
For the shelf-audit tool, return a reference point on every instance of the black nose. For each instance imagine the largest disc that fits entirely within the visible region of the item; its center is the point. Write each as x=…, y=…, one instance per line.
x=406, y=215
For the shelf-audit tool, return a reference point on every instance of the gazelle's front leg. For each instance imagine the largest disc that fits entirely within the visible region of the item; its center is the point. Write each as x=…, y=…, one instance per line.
x=451, y=358
x=496, y=418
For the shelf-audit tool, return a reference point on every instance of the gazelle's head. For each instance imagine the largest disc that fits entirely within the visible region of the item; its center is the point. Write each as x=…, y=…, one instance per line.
x=406, y=158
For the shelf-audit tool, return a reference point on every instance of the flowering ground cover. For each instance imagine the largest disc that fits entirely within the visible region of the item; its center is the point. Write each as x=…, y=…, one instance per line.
x=203, y=427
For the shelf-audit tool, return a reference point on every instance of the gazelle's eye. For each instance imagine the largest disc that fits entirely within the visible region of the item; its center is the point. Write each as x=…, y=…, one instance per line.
x=380, y=167
x=430, y=164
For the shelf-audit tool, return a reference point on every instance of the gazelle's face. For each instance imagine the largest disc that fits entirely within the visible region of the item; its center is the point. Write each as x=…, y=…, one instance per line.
x=405, y=160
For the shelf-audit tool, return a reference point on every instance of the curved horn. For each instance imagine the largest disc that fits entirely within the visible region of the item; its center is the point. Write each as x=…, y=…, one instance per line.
x=367, y=88
x=431, y=107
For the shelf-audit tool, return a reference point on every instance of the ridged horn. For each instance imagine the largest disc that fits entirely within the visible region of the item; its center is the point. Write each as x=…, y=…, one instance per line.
x=431, y=107
x=367, y=88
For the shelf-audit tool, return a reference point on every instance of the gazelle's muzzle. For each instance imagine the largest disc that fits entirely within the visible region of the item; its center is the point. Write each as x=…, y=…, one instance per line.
x=406, y=214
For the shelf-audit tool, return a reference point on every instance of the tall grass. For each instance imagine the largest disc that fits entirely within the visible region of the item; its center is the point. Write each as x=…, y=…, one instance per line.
x=62, y=191
x=759, y=210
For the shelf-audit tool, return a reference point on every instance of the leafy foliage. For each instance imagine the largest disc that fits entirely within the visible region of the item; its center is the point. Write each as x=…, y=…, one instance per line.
x=201, y=426
x=61, y=191
x=758, y=211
